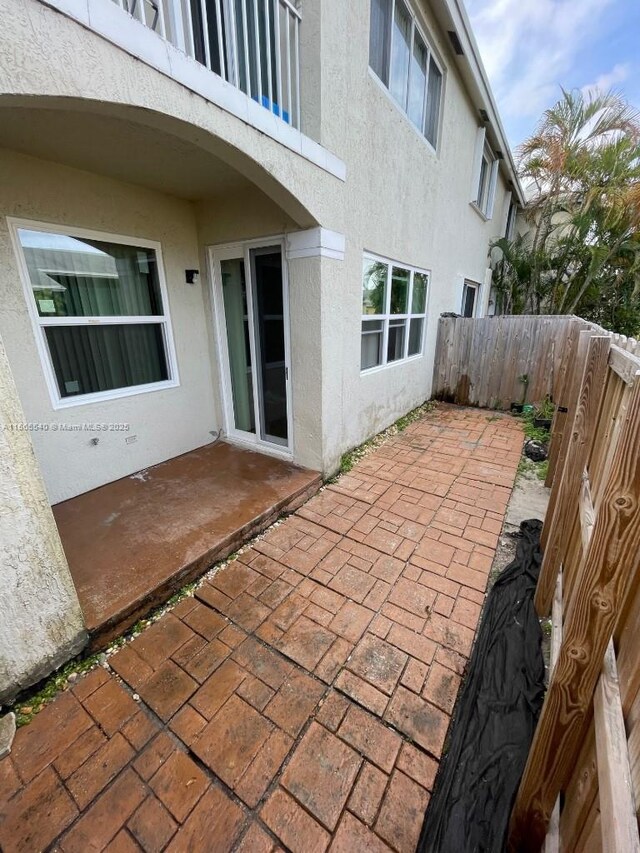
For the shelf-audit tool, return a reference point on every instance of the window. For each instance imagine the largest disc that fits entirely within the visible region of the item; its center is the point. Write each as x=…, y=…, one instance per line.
x=379, y=38
x=510, y=228
x=394, y=305
x=401, y=58
x=485, y=176
x=99, y=313
x=484, y=180
x=400, y=51
x=469, y=296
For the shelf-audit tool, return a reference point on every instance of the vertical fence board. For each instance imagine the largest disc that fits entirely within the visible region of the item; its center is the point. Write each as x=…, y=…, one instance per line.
x=479, y=362
x=581, y=796
x=552, y=841
x=626, y=639
x=560, y=398
x=591, y=540
x=634, y=755
x=617, y=808
x=605, y=578
x=592, y=369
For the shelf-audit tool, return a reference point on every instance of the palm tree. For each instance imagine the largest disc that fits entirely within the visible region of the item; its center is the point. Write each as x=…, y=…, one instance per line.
x=582, y=167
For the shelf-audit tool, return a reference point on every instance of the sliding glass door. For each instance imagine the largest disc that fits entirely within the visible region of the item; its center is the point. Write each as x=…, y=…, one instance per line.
x=236, y=312
x=269, y=327
x=250, y=300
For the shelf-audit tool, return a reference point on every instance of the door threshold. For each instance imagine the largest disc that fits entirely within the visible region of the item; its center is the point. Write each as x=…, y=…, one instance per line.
x=266, y=449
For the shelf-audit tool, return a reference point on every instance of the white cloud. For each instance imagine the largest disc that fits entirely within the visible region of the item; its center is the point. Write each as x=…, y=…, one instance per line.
x=530, y=46
x=618, y=74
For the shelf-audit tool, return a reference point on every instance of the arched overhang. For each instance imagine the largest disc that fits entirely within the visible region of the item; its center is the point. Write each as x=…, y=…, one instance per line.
x=139, y=145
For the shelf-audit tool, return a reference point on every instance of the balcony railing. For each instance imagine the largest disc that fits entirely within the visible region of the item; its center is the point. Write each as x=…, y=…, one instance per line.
x=252, y=44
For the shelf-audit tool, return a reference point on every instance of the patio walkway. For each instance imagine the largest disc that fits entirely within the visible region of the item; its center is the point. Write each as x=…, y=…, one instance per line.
x=302, y=699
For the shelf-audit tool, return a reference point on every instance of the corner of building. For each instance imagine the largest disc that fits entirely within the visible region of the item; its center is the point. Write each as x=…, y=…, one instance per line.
x=42, y=624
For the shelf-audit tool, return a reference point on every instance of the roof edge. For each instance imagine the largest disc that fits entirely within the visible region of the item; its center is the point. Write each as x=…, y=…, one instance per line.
x=456, y=18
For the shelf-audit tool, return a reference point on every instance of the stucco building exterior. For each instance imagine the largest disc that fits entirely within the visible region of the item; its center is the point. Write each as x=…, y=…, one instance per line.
x=222, y=217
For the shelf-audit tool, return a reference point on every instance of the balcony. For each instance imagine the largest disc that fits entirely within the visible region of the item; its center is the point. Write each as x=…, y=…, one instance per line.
x=252, y=44
x=242, y=56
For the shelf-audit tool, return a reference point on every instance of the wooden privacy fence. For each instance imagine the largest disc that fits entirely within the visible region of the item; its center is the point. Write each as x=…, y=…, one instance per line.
x=480, y=362
x=581, y=786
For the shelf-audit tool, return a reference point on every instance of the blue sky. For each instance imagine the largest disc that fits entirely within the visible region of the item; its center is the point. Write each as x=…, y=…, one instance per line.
x=532, y=47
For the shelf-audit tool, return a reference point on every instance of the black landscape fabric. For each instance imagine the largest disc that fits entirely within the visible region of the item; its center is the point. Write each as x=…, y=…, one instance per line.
x=495, y=717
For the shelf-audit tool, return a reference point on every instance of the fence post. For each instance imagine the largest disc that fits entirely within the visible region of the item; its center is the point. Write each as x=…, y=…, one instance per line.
x=438, y=383
x=563, y=386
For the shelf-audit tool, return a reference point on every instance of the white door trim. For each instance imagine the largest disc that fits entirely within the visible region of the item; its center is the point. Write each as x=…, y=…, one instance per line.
x=314, y=243
x=228, y=251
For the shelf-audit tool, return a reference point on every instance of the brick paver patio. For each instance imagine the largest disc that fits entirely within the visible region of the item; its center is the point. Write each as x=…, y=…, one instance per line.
x=301, y=700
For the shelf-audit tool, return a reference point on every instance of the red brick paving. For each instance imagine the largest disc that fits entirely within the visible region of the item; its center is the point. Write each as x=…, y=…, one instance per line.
x=301, y=700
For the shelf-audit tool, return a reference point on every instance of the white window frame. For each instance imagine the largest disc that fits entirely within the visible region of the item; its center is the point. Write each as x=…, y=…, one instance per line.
x=469, y=284
x=484, y=193
x=39, y=323
x=512, y=213
x=387, y=316
x=415, y=27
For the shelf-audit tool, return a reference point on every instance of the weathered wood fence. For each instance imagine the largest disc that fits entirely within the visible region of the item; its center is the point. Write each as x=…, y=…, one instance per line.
x=481, y=362
x=581, y=787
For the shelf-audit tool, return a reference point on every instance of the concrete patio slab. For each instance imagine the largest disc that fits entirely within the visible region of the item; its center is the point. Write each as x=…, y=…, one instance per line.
x=301, y=698
x=132, y=543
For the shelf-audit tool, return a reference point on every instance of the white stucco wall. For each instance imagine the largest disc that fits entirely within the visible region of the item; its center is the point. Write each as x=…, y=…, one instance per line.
x=165, y=422
x=401, y=201
x=38, y=63
x=41, y=624
x=170, y=421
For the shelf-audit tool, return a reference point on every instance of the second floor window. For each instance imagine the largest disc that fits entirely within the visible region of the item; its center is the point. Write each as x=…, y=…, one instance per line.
x=510, y=228
x=485, y=176
x=484, y=180
x=401, y=58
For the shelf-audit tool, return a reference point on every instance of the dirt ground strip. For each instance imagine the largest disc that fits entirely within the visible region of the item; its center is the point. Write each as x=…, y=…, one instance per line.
x=301, y=699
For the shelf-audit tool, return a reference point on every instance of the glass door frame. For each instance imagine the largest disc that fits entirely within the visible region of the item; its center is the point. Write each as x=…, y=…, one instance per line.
x=233, y=251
